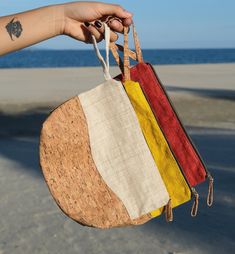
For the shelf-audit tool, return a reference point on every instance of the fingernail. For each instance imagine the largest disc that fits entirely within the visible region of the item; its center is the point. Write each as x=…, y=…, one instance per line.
x=98, y=24
x=86, y=24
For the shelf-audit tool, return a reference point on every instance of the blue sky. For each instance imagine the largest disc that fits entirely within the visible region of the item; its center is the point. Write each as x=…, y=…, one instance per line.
x=160, y=24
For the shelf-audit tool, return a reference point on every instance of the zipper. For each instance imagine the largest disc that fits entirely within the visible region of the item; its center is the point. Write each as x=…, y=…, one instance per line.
x=169, y=212
x=210, y=196
x=156, y=118
x=208, y=174
x=180, y=121
x=195, y=203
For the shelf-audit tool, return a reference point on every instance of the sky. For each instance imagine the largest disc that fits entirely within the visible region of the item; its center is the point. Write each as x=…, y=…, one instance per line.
x=160, y=24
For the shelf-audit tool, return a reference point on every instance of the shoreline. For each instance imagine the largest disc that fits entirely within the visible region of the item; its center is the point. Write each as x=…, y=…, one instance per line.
x=46, y=85
x=114, y=66
x=50, y=86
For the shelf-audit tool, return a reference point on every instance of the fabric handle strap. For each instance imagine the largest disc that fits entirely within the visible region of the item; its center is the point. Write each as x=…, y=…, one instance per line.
x=137, y=45
x=105, y=64
x=137, y=55
x=126, y=69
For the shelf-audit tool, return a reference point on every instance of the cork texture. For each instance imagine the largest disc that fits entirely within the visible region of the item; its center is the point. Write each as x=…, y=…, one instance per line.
x=71, y=174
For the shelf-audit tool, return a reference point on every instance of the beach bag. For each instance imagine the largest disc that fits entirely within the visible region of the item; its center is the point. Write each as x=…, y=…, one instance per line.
x=95, y=159
x=187, y=156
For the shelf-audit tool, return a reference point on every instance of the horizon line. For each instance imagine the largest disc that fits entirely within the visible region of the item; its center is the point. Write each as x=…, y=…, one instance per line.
x=84, y=49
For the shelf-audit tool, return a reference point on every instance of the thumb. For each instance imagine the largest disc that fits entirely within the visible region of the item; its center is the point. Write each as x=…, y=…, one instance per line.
x=115, y=10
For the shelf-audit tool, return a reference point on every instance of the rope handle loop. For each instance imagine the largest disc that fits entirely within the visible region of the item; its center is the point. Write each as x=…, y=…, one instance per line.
x=105, y=63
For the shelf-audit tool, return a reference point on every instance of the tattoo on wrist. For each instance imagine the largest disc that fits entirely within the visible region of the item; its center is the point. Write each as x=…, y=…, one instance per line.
x=14, y=28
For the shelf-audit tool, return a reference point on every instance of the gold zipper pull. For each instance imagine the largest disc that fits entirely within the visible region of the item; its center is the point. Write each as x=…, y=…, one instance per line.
x=210, y=196
x=169, y=211
x=195, y=203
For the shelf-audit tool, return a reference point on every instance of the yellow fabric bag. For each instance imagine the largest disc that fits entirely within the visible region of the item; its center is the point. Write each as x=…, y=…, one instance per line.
x=177, y=187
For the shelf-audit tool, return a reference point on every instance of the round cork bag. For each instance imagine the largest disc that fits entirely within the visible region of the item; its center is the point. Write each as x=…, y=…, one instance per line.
x=71, y=174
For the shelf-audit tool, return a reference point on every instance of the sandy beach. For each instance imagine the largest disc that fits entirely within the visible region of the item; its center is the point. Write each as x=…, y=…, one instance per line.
x=30, y=221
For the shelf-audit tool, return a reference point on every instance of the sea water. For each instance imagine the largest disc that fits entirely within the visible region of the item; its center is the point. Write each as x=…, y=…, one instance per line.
x=82, y=58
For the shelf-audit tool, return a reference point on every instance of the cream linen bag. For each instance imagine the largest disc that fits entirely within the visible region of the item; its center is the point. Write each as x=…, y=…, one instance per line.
x=114, y=180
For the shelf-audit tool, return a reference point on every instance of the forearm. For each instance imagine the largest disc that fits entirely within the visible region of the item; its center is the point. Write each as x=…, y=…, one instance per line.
x=24, y=29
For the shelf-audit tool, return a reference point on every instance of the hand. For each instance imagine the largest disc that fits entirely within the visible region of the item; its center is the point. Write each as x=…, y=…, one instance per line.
x=89, y=13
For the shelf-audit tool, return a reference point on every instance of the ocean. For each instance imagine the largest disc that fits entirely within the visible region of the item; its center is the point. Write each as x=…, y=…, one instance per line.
x=80, y=58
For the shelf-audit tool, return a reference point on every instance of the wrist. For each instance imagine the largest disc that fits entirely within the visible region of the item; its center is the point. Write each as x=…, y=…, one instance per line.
x=59, y=19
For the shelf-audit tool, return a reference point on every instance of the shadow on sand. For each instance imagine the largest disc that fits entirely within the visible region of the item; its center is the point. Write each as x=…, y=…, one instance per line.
x=213, y=225
x=23, y=124
x=223, y=94
x=19, y=138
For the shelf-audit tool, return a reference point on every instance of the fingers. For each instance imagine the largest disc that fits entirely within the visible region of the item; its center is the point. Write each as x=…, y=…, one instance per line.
x=117, y=11
x=97, y=29
x=98, y=35
x=121, y=18
x=100, y=27
x=116, y=26
x=127, y=22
